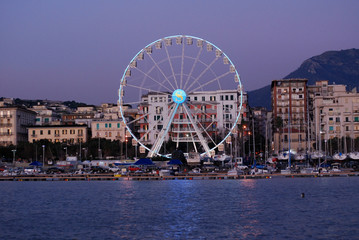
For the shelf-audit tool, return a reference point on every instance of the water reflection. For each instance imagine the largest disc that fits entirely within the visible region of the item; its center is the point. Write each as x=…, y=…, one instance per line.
x=228, y=209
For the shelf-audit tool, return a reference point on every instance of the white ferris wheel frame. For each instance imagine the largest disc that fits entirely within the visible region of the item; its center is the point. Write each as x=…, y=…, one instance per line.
x=120, y=101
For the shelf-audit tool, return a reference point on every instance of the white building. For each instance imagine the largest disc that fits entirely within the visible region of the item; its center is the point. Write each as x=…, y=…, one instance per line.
x=108, y=129
x=335, y=111
x=13, y=125
x=215, y=111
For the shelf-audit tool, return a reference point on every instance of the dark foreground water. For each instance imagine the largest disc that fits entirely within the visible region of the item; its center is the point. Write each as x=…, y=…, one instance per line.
x=182, y=209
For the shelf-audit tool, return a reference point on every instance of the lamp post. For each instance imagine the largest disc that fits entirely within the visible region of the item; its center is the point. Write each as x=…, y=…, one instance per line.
x=43, y=155
x=85, y=153
x=126, y=146
x=65, y=148
x=13, y=159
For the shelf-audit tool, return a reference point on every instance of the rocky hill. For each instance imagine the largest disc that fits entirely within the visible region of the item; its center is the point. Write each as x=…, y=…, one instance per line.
x=340, y=67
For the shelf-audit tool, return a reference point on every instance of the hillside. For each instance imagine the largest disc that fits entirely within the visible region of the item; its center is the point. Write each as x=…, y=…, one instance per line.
x=340, y=67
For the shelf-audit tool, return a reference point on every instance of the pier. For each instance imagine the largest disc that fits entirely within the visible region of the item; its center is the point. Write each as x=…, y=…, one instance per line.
x=144, y=177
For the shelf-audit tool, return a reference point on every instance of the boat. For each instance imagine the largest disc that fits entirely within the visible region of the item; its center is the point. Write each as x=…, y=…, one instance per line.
x=340, y=156
x=317, y=155
x=300, y=156
x=354, y=155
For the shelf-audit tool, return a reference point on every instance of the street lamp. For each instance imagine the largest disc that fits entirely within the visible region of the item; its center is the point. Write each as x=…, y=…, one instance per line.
x=13, y=159
x=126, y=146
x=43, y=155
x=65, y=148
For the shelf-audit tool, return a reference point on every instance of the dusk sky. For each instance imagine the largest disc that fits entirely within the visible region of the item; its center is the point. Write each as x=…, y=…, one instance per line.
x=78, y=49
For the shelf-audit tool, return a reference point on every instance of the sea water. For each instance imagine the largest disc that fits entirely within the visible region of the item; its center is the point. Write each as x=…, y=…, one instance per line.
x=182, y=209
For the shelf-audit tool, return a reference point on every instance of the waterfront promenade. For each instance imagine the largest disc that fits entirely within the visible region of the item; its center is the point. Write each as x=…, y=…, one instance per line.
x=144, y=177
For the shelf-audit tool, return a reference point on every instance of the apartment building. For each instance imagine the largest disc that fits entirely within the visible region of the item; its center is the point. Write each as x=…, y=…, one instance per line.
x=335, y=111
x=108, y=129
x=70, y=134
x=45, y=115
x=289, y=107
x=214, y=111
x=13, y=124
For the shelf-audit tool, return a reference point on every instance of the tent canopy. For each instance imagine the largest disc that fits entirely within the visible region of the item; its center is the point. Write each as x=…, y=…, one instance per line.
x=144, y=161
x=175, y=162
x=36, y=163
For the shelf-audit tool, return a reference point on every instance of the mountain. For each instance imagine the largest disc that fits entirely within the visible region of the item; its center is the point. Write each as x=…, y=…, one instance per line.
x=339, y=67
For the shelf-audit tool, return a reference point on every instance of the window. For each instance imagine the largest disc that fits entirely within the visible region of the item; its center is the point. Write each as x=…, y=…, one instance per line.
x=33, y=132
x=356, y=119
x=221, y=97
x=118, y=125
x=41, y=132
x=195, y=98
x=347, y=119
x=106, y=125
x=97, y=126
x=331, y=128
x=226, y=97
x=109, y=125
x=337, y=119
x=232, y=97
x=203, y=98
x=48, y=132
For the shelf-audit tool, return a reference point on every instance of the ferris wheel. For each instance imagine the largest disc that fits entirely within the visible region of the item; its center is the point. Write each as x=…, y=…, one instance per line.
x=182, y=89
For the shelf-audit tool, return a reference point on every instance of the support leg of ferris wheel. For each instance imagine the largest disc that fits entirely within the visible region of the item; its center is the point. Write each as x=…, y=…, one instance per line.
x=161, y=136
x=199, y=134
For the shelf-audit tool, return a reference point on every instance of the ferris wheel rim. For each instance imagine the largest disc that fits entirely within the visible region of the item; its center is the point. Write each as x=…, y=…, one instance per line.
x=240, y=89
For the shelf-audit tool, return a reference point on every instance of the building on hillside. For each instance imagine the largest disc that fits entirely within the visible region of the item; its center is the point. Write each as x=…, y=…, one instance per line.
x=13, y=125
x=45, y=115
x=108, y=129
x=70, y=118
x=69, y=134
x=289, y=112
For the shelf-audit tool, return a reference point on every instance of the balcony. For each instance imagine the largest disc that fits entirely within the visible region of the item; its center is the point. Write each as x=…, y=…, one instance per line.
x=34, y=135
x=6, y=116
x=347, y=113
x=6, y=134
x=5, y=125
x=57, y=135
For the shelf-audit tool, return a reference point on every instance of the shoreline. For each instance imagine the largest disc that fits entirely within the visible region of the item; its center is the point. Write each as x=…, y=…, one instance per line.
x=202, y=176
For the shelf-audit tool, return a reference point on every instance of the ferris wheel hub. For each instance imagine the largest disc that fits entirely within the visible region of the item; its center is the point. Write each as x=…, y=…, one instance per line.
x=179, y=96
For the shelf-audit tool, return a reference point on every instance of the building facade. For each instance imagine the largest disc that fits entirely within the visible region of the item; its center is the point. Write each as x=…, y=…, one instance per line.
x=335, y=112
x=289, y=112
x=69, y=134
x=214, y=112
x=108, y=129
x=13, y=125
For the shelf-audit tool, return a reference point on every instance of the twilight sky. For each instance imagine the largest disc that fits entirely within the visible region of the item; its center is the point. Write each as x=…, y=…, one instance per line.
x=78, y=49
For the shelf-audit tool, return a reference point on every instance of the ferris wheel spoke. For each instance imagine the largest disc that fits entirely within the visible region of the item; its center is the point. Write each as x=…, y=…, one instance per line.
x=193, y=67
x=139, y=118
x=199, y=134
x=147, y=89
x=159, y=140
x=205, y=129
x=153, y=128
x=182, y=63
x=153, y=79
x=209, y=82
x=161, y=71
x=170, y=62
x=203, y=72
